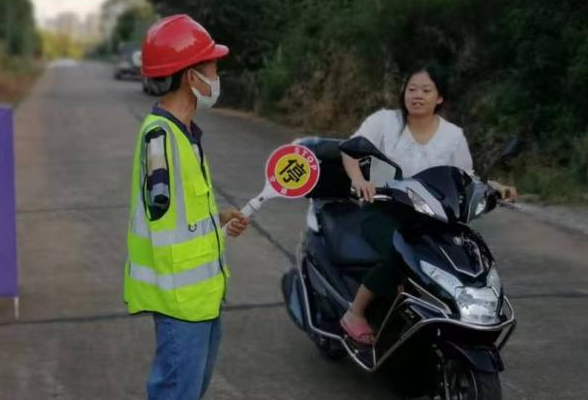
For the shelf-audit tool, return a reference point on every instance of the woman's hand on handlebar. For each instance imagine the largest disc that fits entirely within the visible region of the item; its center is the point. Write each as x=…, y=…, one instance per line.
x=365, y=189
x=507, y=193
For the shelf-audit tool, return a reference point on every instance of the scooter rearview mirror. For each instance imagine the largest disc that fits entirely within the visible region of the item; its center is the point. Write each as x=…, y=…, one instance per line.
x=359, y=147
x=512, y=147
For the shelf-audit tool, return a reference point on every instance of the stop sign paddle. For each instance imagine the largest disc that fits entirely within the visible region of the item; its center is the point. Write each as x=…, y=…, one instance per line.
x=292, y=171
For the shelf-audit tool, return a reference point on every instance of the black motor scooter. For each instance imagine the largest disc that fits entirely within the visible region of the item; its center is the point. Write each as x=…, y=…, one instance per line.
x=449, y=324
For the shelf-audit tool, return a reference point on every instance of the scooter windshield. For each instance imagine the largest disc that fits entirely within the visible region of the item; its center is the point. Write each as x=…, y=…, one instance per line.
x=448, y=185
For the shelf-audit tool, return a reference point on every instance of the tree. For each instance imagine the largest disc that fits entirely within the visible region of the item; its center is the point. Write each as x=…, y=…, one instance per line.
x=17, y=28
x=252, y=28
x=516, y=67
x=60, y=45
x=132, y=25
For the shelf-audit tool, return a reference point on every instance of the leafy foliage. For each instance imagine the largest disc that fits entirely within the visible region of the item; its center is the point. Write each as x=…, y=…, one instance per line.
x=19, y=45
x=132, y=25
x=60, y=45
x=517, y=67
x=17, y=28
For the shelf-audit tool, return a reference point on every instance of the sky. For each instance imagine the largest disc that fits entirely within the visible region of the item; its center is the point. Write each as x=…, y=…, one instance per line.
x=50, y=8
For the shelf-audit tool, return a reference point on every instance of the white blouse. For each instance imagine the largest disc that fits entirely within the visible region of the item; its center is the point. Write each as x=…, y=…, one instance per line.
x=448, y=146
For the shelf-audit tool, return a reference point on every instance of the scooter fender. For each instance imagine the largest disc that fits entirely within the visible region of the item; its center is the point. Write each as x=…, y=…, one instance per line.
x=484, y=359
x=294, y=297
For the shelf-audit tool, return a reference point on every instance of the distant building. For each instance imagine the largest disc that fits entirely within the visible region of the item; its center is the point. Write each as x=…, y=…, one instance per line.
x=66, y=23
x=92, y=27
x=72, y=25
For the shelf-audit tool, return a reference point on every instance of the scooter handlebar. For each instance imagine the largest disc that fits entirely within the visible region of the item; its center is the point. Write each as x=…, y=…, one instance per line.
x=382, y=193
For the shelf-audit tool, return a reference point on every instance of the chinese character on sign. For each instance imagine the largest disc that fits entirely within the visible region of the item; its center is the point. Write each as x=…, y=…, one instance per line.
x=293, y=171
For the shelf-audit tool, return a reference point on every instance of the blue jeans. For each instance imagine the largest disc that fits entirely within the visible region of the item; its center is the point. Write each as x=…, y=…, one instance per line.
x=184, y=358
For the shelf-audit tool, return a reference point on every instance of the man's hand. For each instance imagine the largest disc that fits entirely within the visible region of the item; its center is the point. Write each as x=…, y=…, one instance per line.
x=235, y=221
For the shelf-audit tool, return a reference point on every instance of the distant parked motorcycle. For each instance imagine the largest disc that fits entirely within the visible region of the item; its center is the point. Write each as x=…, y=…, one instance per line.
x=128, y=63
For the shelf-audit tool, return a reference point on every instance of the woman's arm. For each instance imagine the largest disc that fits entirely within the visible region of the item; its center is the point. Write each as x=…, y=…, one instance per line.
x=371, y=129
x=462, y=158
x=365, y=189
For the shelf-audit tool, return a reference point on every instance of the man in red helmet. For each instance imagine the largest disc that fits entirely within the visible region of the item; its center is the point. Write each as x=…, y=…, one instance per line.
x=176, y=267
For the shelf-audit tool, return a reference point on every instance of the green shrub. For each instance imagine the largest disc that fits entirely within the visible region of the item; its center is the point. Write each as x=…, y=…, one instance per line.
x=518, y=67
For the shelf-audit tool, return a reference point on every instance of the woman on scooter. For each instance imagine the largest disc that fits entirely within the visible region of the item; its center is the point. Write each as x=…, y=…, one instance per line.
x=416, y=138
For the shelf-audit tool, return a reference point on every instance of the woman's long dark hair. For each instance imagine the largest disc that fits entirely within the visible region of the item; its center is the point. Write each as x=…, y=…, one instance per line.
x=437, y=74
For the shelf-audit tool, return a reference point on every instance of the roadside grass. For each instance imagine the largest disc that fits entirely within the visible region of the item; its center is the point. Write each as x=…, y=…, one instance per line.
x=16, y=79
x=551, y=185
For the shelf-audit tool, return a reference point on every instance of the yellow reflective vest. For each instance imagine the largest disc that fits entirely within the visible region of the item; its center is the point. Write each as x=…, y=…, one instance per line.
x=175, y=264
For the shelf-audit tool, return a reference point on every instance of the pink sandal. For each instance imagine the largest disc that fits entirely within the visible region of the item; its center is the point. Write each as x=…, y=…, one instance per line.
x=362, y=332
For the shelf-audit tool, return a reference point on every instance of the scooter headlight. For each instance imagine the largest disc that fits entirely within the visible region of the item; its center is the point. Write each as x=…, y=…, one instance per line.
x=447, y=281
x=478, y=306
x=480, y=207
x=419, y=203
x=494, y=280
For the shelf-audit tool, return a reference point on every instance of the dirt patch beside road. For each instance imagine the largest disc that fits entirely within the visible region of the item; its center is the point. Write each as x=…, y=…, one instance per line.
x=14, y=85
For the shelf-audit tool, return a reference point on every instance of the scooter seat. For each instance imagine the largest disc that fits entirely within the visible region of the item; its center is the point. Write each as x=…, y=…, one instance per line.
x=342, y=224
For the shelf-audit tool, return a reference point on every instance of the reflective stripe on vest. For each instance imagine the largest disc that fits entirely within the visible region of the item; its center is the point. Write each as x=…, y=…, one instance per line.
x=183, y=233
x=173, y=281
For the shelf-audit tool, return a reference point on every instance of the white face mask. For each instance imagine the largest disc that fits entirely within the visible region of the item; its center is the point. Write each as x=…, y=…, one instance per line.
x=207, y=101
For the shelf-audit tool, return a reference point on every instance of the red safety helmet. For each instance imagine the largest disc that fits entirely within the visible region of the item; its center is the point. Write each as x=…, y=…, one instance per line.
x=175, y=43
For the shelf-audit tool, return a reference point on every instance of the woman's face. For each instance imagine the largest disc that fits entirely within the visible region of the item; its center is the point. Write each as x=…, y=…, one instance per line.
x=421, y=95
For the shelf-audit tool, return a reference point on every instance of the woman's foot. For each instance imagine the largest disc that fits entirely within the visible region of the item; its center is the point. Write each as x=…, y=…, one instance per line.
x=357, y=327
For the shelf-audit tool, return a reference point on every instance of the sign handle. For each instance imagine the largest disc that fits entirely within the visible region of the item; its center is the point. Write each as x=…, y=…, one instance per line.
x=252, y=206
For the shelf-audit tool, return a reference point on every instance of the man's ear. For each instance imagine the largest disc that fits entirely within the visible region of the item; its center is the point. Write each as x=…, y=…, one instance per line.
x=188, y=78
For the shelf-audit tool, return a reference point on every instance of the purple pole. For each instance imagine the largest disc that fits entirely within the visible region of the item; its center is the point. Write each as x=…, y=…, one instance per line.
x=8, y=273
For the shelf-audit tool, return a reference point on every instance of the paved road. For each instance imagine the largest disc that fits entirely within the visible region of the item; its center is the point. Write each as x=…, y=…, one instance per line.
x=74, y=139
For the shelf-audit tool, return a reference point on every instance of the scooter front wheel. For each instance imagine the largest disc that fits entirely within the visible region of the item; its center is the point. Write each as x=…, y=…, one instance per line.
x=461, y=382
x=488, y=384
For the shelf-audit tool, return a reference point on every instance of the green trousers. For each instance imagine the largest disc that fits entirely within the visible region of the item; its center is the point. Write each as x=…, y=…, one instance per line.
x=384, y=278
